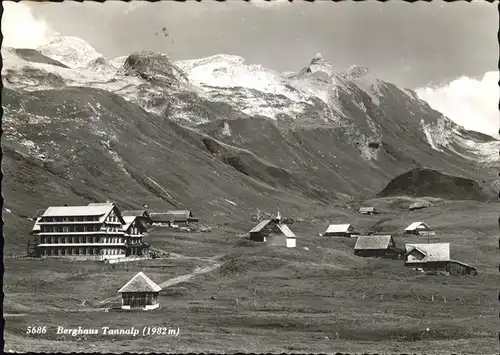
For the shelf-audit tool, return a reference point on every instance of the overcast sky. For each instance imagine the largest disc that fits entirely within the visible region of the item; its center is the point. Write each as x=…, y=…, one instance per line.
x=432, y=47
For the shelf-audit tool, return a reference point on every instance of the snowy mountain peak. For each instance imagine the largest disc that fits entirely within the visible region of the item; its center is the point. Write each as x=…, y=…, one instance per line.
x=215, y=61
x=71, y=51
x=317, y=57
x=319, y=65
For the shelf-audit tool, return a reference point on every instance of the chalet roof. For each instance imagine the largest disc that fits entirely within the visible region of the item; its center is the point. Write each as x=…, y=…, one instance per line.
x=138, y=213
x=39, y=213
x=128, y=221
x=36, y=227
x=286, y=231
x=373, y=242
x=417, y=225
x=71, y=211
x=140, y=283
x=366, y=209
x=432, y=251
x=338, y=228
x=259, y=226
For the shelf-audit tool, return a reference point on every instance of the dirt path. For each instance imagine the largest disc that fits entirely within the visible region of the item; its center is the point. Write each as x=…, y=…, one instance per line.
x=186, y=277
x=213, y=261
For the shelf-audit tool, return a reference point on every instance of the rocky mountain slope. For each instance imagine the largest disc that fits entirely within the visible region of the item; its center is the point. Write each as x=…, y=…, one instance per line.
x=213, y=134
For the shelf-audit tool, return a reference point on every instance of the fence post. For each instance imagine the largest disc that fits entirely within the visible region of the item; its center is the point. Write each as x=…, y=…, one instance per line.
x=432, y=298
x=444, y=298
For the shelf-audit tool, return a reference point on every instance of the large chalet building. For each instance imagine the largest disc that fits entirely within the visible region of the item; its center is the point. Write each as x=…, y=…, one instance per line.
x=96, y=231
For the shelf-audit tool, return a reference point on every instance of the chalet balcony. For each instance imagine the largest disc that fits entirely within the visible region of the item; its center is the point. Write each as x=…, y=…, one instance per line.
x=82, y=233
x=82, y=245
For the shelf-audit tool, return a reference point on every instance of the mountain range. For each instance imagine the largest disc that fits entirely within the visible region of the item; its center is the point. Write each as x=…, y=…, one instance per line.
x=215, y=135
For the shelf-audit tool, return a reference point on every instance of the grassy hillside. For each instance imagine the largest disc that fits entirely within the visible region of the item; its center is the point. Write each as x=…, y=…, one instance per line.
x=318, y=297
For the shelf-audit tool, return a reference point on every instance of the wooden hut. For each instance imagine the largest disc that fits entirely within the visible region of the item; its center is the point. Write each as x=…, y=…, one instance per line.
x=377, y=246
x=273, y=233
x=368, y=210
x=419, y=228
x=340, y=230
x=140, y=293
x=419, y=205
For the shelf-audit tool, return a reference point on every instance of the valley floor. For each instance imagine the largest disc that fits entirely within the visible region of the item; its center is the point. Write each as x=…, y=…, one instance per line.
x=225, y=294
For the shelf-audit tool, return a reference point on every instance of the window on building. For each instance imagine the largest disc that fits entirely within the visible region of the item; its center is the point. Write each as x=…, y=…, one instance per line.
x=65, y=229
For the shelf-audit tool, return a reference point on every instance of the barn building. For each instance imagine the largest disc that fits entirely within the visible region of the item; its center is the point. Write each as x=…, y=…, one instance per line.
x=377, y=246
x=140, y=293
x=94, y=231
x=368, y=210
x=419, y=228
x=272, y=232
x=435, y=257
x=173, y=218
x=340, y=230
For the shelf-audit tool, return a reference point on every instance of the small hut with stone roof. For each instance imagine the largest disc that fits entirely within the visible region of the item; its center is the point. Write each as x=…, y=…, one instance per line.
x=140, y=293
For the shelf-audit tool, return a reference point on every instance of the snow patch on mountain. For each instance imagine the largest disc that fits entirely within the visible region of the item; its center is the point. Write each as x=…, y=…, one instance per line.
x=72, y=51
x=259, y=91
x=226, y=130
x=439, y=134
x=118, y=160
x=118, y=62
x=364, y=80
x=229, y=71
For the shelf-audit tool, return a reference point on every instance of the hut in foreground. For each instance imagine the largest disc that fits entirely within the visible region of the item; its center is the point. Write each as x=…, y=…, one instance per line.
x=140, y=293
x=377, y=246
